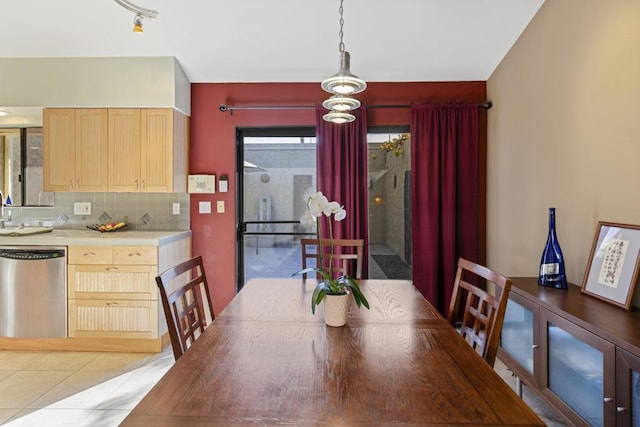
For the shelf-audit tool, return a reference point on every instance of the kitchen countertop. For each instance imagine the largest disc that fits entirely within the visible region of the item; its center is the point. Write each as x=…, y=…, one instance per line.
x=66, y=237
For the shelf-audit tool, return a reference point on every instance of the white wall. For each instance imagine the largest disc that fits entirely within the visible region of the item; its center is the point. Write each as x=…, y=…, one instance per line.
x=564, y=131
x=94, y=82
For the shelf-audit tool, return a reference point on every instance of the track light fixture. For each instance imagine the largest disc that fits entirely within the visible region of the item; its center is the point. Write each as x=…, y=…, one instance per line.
x=140, y=12
x=137, y=24
x=342, y=85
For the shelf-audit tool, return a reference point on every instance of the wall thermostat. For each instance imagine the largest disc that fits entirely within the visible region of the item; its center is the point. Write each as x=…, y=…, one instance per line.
x=202, y=184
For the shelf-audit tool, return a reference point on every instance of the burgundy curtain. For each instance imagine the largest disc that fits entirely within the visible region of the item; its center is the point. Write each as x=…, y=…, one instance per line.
x=342, y=174
x=444, y=195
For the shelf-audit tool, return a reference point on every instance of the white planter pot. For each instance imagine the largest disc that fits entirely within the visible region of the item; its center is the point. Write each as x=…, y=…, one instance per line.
x=335, y=309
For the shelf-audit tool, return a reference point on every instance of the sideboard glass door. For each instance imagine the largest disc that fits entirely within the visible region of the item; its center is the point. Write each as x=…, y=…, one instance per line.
x=627, y=389
x=577, y=369
x=517, y=334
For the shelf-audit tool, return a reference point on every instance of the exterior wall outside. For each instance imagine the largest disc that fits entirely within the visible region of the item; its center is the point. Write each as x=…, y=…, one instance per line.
x=282, y=162
x=563, y=133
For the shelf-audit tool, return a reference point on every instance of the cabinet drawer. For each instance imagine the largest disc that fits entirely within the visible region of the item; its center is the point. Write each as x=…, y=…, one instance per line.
x=113, y=318
x=110, y=281
x=90, y=255
x=135, y=255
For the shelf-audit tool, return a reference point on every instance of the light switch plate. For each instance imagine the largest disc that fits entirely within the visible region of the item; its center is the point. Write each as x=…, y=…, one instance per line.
x=220, y=206
x=204, y=207
x=176, y=208
x=82, y=208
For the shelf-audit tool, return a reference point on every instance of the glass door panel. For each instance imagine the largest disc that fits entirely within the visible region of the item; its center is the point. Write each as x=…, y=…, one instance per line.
x=278, y=167
x=627, y=389
x=579, y=370
x=517, y=334
x=389, y=183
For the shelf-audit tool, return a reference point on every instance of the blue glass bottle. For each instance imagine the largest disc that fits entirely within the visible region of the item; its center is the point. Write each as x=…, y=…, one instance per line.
x=552, y=262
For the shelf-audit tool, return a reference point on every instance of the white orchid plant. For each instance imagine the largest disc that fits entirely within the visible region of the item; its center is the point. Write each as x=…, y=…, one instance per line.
x=319, y=205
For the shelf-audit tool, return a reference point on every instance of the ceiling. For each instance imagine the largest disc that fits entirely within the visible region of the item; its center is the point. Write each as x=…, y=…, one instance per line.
x=279, y=40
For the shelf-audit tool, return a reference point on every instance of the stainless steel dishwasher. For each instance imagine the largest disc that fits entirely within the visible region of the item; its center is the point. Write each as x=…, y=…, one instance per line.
x=33, y=291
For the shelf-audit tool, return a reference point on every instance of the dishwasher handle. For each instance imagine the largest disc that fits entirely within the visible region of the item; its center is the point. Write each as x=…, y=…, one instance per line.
x=32, y=254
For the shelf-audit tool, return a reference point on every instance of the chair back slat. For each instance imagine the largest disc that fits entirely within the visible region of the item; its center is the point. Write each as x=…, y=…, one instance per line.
x=482, y=315
x=347, y=257
x=181, y=288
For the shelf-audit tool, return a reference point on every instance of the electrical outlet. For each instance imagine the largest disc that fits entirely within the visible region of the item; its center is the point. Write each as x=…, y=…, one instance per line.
x=220, y=206
x=176, y=208
x=82, y=208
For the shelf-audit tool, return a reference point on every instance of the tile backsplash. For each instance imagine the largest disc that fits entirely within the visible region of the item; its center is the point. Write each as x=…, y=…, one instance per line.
x=141, y=211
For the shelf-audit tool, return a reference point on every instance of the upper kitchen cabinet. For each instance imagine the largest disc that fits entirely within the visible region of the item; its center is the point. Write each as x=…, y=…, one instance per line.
x=147, y=150
x=75, y=148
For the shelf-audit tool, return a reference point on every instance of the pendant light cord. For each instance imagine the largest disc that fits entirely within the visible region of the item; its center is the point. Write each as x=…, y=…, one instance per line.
x=340, y=33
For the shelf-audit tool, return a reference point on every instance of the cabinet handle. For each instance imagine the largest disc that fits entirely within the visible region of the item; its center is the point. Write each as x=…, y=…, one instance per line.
x=608, y=399
x=114, y=268
x=71, y=184
x=135, y=254
x=89, y=254
x=143, y=185
x=112, y=303
x=535, y=346
x=135, y=185
x=620, y=408
x=77, y=182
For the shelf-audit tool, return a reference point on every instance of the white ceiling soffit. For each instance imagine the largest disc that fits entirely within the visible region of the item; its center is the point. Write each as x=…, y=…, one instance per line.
x=279, y=40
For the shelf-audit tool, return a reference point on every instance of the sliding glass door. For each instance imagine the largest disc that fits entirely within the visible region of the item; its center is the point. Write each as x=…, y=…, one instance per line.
x=276, y=167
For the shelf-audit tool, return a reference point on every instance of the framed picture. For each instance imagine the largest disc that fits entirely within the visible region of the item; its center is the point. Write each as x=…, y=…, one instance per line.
x=613, y=265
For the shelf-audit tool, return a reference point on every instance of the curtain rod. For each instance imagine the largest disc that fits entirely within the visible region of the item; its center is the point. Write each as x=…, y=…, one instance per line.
x=230, y=108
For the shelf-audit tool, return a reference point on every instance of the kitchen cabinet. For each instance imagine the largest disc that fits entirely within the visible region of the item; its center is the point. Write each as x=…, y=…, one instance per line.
x=115, y=150
x=75, y=149
x=147, y=150
x=576, y=352
x=112, y=292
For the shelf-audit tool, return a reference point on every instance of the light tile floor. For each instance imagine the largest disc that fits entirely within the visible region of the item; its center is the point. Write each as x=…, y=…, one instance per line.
x=39, y=388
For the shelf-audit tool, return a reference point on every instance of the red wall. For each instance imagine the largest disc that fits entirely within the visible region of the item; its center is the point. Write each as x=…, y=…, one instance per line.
x=213, y=150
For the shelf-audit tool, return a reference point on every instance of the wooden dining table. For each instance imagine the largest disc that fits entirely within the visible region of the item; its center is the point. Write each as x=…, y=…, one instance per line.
x=266, y=360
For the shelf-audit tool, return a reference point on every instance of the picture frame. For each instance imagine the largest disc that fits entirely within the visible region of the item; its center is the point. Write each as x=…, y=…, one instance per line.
x=614, y=262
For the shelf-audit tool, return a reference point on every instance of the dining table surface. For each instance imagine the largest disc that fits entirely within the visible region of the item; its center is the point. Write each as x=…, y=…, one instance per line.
x=267, y=360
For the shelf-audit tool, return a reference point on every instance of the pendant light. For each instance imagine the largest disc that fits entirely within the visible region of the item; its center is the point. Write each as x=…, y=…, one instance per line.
x=342, y=85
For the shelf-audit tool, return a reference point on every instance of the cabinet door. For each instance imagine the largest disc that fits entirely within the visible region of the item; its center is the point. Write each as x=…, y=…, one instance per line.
x=124, y=150
x=99, y=282
x=578, y=374
x=627, y=389
x=59, y=149
x=519, y=340
x=157, y=149
x=91, y=149
x=113, y=318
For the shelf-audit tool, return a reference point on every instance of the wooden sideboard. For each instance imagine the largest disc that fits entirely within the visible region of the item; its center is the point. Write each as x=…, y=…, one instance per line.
x=578, y=353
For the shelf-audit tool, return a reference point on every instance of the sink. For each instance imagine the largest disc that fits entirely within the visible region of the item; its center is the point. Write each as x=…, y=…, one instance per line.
x=26, y=231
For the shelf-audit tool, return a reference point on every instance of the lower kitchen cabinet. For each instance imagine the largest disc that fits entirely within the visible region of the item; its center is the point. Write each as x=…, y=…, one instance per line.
x=576, y=352
x=115, y=301
x=113, y=297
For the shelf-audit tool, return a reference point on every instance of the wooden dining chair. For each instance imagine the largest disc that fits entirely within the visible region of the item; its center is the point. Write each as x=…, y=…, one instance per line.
x=347, y=255
x=484, y=308
x=181, y=293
